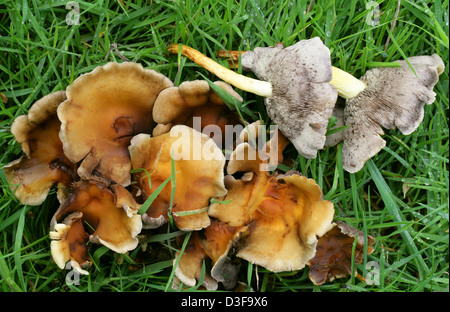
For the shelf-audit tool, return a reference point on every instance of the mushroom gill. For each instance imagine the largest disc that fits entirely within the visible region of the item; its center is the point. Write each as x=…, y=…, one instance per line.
x=93, y=213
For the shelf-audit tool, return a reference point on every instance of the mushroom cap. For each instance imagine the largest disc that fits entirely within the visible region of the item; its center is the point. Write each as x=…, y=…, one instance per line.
x=282, y=235
x=103, y=111
x=394, y=97
x=44, y=163
x=179, y=105
x=189, y=267
x=213, y=243
x=333, y=257
x=95, y=213
x=69, y=243
x=302, y=95
x=283, y=214
x=199, y=175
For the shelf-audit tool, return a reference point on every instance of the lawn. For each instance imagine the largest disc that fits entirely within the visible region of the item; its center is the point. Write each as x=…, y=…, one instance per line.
x=400, y=197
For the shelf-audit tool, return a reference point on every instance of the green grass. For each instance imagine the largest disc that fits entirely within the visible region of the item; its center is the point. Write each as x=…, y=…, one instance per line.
x=40, y=53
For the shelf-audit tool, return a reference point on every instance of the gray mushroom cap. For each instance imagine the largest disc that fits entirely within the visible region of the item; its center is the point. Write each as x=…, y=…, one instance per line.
x=303, y=99
x=394, y=97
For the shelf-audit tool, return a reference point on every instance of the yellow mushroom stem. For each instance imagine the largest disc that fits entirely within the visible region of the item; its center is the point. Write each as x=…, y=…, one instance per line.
x=347, y=85
x=258, y=87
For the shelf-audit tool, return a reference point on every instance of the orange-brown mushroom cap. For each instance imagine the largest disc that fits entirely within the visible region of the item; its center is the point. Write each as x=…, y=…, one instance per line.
x=94, y=213
x=283, y=214
x=179, y=105
x=199, y=175
x=333, y=257
x=212, y=244
x=44, y=163
x=103, y=111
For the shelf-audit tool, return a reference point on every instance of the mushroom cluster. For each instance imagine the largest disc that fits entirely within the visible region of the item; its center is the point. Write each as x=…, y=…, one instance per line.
x=130, y=152
x=300, y=89
x=275, y=220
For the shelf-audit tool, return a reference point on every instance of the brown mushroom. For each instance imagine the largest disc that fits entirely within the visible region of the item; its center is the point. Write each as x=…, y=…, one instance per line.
x=283, y=214
x=93, y=213
x=194, y=101
x=103, y=111
x=198, y=173
x=44, y=163
x=212, y=244
x=295, y=85
x=333, y=257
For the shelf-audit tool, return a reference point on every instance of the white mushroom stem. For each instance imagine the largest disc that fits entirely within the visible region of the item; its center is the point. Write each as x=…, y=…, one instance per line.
x=347, y=85
x=258, y=87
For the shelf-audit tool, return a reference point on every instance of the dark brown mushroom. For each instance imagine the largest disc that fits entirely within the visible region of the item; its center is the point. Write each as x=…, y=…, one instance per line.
x=333, y=257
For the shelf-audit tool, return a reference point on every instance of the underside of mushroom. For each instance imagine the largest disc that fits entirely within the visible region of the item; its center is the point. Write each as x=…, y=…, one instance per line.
x=298, y=95
x=97, y=214
x=394, y=98
x=300, y=89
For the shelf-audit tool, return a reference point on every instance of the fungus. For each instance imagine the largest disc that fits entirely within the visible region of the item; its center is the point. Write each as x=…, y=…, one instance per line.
x=93, y=213
x=333, y=257
x=295, y=85
x=394, y=98
x=198, y=173
x=385, y=97
x=212, y=244
x=44, y=163
x=283, y=214
x=103, y=111
x=179, y=105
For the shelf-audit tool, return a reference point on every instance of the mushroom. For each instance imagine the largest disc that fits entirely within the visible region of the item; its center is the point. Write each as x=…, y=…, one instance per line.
x=44, y=163
x=191, y=99
x=283, y=214
x=212, y=244
x=103, y=111
x=295, y=85
x=198, y=169
x=93, y=213
x=393, y=97
x=333, y=257
x=384, y=97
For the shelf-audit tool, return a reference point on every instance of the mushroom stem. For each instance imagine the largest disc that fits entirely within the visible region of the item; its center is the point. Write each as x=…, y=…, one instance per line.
x=347, y=85
x=258, y=87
